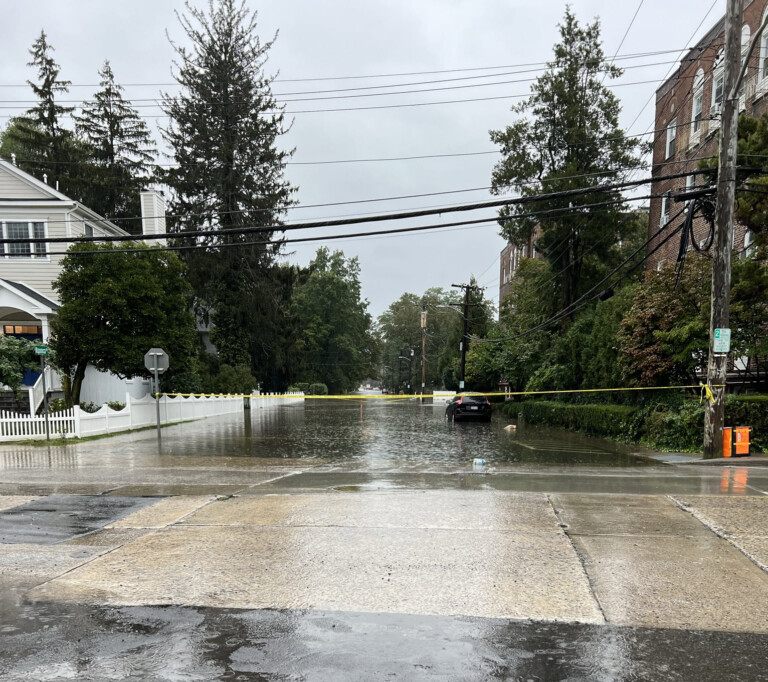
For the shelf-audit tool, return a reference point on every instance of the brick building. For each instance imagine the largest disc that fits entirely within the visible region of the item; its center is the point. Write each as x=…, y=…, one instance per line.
x=510, y=259
x=687, y=119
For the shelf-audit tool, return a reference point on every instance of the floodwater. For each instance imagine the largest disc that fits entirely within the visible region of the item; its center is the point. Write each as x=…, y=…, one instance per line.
x=379, y=434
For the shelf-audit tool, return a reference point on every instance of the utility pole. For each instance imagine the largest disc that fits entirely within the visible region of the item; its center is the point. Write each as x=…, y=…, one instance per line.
x=423, y=352
x=723, y=239
x=465, y=334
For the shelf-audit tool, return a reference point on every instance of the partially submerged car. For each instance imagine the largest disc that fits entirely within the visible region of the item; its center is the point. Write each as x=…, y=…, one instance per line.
x=470, y=407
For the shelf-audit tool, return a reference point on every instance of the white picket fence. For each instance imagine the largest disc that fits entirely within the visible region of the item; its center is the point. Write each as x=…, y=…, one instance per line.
x=138, y=412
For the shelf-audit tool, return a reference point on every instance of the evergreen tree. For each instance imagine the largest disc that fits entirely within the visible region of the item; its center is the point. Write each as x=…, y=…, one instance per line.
x=568, y=137
x=52, y=148
x=122, y=152
x=229, y=173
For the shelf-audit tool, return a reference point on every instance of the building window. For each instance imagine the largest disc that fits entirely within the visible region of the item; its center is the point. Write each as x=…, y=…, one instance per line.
x=23, y=230
x=88, y=230
x=718, y=81
x=671, y=137
x=665, y=203
x=698, y=103
x=749, y=244
x=746, y=36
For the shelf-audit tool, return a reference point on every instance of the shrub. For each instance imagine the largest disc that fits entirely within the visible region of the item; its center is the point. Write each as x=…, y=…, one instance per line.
x=90, y=407
x=597, y=420
x=749, y=410
x=318, y=389
x=116, y=405
x=57, y=405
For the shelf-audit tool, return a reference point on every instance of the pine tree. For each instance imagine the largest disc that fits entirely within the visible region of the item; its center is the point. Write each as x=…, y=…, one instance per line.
x=51, y=147
x=229, y=173
x=122, y=152
x=568, y=137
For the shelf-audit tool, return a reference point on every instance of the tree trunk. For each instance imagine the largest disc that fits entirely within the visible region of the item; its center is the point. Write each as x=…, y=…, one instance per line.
x=77, y=383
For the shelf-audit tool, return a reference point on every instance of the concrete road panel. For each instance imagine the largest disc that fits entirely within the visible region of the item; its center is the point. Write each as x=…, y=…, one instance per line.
x=426, y=509
x=732, y=516
x=11, y=501
x=421, y=571
x=163, y=513
x=689, y=583
x=625, y=515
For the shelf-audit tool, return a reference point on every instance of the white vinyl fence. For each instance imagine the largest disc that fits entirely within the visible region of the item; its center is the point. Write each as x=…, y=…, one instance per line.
x=138, y=412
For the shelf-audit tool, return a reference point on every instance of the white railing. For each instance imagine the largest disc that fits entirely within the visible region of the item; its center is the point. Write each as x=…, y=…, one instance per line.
x=36, y=392
x=138, y=412
x=272, y=399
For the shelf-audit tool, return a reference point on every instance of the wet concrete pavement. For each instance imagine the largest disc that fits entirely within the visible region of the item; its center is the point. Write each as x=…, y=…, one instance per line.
x=328, y=542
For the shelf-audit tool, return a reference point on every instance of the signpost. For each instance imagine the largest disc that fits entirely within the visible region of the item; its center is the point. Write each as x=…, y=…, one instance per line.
x=722, y=341
x=42, y=351
x=156, y=361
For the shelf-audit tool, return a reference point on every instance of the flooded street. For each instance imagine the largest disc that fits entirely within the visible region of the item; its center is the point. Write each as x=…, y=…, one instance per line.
x=345, y=540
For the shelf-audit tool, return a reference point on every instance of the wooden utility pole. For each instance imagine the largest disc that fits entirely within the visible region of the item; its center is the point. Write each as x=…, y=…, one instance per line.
x=723, y=238
x=423, y=352
x=465, y=334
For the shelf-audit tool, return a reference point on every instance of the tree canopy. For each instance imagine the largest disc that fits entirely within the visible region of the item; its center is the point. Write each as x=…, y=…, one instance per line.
x=229, y=173
x=115, y=307
x=335, y=343
x=121, y=152
x=567, y=137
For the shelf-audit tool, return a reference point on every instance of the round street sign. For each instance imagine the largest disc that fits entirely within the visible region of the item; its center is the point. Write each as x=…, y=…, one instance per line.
x=156, y=358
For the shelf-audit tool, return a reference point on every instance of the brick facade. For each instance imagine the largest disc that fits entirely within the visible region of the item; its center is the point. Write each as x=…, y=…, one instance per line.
x=687, y=120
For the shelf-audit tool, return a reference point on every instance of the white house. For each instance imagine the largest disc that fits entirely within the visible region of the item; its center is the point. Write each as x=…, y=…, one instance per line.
x=30, y=208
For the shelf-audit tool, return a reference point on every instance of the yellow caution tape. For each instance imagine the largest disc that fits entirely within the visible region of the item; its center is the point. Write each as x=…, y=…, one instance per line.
x=706, y=392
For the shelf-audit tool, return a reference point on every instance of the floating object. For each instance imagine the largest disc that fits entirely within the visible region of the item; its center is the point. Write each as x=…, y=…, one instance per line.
x=478, y=463
x=510, y=427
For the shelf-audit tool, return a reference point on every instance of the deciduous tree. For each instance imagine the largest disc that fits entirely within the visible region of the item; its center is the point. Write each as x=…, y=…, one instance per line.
x=115, y=307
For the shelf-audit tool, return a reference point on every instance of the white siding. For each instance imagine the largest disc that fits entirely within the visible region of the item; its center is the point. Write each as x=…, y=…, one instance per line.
x=12, y=187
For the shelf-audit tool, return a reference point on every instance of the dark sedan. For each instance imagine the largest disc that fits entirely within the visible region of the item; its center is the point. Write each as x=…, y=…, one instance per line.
x=468, y=407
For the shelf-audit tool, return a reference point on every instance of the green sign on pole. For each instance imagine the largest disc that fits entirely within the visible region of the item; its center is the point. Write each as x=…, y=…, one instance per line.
x=722, y=343
x=41, y=350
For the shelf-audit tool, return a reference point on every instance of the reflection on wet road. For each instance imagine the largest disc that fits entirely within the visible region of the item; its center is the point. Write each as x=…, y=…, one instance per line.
x=331, y=541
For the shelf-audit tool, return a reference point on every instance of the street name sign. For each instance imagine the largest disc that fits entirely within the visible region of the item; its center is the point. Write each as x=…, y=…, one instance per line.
x=722, y=343
x=156, y=359
x=41, y=350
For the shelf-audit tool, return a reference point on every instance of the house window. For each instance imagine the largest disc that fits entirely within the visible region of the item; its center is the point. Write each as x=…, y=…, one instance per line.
x=718, y=81
x=671, y=137
x=698, y=103
x=23, y=230
x=88, y=230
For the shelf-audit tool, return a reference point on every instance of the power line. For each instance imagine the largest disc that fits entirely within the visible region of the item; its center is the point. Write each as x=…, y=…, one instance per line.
x=201, y=246
x=635, y=55
x=353, y=221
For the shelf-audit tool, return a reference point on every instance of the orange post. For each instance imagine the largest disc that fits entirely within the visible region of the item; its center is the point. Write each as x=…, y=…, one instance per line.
x=741, y=441
x=727, y=441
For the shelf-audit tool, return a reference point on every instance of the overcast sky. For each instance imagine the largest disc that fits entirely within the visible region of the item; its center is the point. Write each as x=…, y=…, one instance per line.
x=342, y=38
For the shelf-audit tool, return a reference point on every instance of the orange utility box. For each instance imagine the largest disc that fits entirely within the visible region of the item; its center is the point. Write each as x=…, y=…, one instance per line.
x=736, y=441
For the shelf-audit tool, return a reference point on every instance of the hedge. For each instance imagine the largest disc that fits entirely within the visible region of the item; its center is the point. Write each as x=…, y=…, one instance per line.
x=597, y=420
x=660, y=425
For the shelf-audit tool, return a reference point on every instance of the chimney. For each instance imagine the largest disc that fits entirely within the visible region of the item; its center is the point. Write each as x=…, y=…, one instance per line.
x=45, y=178
x=153, y=215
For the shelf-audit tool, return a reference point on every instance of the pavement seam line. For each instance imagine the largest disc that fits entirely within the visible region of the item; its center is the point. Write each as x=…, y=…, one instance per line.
x=276, y=478
x=85, y=563
x=579, y=556
x=452, y=529
x=719, y=532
